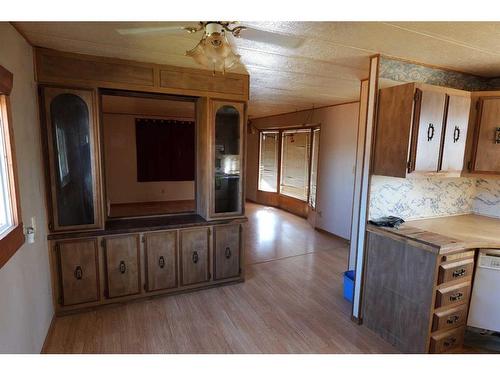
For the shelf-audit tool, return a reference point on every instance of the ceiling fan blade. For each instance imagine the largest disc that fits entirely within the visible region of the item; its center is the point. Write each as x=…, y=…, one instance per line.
x=261, y=36
x=158, y=29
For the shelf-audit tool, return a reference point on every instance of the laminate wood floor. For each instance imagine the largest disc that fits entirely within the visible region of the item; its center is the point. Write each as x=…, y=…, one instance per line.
x=291, y=302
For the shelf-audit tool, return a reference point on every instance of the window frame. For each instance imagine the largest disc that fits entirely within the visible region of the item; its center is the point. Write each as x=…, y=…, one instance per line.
x=278, y=159
x=12, y=239
x=311, y=128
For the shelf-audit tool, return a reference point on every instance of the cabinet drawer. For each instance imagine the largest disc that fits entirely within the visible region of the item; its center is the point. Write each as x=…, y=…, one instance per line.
x=451, y=318
x=227, y=251
x=122, y=265
x=78, y=264
x=161, y=260
x=194, y=247
x=456, y=270
x=453, y=295
x=446, y=341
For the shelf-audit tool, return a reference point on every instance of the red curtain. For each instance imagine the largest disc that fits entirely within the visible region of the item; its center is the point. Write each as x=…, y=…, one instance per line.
x=165, y=150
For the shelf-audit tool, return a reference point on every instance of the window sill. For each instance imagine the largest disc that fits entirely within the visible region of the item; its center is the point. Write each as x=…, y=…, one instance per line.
x=10, y=243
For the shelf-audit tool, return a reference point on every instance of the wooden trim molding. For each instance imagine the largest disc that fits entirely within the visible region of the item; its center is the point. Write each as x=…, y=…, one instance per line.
x=6, y=81
x=54, y=67
x=13, y=239
x=10, y=243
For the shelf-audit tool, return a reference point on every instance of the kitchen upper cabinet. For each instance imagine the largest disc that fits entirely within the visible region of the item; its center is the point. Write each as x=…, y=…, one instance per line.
x=455, y=136
x=486, y=145
x=227, y=135
x=421, y=129
x=428, y=127
x=72, y=158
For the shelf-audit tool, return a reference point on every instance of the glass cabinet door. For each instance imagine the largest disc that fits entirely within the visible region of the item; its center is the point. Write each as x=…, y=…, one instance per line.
x=227, y=193
x=72, y=155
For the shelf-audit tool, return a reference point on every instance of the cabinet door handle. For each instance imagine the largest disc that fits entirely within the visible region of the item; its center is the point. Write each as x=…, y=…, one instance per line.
x=123, y=267
x=161, y=262
x=228, y=252
x=459, y=273
x=430, y=132
x=195, y=257
x=456, y=297
x=450, y=341
x=452, y=319
x=78, y=273
x=456, y=134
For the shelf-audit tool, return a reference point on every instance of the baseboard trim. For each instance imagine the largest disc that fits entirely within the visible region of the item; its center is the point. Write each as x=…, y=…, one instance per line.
x=49, y=333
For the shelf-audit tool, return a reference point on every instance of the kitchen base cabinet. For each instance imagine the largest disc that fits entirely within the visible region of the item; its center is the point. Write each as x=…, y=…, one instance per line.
x=122, y=265
x=194, y=247
x=414, y=297
x=161, y=260
x=227, y=241
x=78, y=265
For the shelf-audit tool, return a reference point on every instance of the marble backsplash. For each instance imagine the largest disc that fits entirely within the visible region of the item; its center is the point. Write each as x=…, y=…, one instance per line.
x=433, y=197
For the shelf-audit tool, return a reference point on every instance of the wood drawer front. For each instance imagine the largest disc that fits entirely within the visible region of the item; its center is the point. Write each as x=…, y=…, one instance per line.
x=451, y=318
x=453, y=295
x=122, y=265
x=227, y=251
x=456, y=270
x=446, y=341
x=161, y=260
x=194, y=247
x=78, y=262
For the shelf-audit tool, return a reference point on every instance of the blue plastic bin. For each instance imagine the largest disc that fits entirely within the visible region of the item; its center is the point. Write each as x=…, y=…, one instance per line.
x=349, y=285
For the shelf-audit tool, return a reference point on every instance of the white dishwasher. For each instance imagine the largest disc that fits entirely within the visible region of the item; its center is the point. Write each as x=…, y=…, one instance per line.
x=484, y=310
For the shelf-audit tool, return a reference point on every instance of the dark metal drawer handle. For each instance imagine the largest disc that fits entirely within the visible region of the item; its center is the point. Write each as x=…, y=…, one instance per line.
x=78, y=273
x=456, y=134
x=430, y=132
x=450, y=341
x=161, y=262
x=459, y=273
x=123, y=267
x=195, y=257
x=228, y=253
x=452, y=319
x=456, y=297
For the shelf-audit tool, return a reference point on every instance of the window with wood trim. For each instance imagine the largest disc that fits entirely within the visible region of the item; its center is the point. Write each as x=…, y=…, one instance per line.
x=268, y=161
x=11, y=227
x=288, y=162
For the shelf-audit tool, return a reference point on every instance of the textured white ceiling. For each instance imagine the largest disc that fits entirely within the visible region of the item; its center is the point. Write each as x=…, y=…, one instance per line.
x=325, y=68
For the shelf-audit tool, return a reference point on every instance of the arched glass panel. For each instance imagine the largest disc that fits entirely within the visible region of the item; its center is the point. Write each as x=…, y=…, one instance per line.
x=70, y=121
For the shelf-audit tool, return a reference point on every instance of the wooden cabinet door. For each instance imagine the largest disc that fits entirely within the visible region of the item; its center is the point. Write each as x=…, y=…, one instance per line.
x=227, y=242
x=457, y=121
x=161, y=260
x=78, y=265
x=486, y=146
x=71, y=141
x=194, y=244
x=122, y=265
x=427, y=129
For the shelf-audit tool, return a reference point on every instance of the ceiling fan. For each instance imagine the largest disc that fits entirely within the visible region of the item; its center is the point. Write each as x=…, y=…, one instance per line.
x=214, y=50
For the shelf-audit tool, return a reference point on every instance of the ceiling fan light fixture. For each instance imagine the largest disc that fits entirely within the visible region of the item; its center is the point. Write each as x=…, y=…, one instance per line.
x=214, y=50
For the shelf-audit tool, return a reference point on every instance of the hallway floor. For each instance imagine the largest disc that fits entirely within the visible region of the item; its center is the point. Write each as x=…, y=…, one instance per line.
x=291, y=302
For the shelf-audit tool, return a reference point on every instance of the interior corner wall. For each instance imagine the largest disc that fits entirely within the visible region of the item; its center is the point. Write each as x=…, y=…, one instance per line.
x=337, y=160
x=25, y=293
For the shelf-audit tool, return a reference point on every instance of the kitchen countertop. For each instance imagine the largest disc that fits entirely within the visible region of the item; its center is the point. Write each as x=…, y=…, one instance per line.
x=448, y=234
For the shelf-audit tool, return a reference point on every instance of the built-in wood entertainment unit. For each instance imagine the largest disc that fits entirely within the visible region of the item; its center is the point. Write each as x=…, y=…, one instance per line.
x=149, y=201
